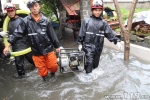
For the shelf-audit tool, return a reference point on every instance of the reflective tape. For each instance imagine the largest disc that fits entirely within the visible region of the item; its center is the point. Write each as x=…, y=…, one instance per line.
x=96, y=34
x=89, y=33
x=32, y=34
x=42, y=32
x=99, y=34
x=101, y=31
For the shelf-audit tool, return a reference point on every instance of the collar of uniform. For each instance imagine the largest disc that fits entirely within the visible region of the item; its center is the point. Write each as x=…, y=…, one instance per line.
x=40, y=20
x=14, y=18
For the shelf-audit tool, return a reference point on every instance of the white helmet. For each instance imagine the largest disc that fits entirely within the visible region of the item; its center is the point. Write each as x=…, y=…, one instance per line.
x=97, y=4
x=31, y=2
x=9, y=7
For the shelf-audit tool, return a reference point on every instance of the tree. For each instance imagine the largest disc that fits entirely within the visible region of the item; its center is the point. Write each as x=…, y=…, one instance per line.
x=57, y=8
x=50, y=6
x=126, y=30
x=46, y=10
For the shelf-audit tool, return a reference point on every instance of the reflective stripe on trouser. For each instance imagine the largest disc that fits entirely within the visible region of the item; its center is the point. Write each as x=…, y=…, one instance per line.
x=46, y=63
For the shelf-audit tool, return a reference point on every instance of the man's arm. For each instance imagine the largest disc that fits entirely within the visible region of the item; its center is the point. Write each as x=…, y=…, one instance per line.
x=18, y=33
x=53, y=37
x=82, y=32
x=81, y=35
x=109, y=34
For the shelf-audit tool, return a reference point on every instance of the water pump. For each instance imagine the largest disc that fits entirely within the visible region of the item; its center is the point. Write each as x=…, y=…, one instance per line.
x=70, y=60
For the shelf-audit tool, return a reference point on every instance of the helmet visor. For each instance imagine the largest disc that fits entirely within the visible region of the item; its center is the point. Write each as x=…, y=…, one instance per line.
x=10, y=9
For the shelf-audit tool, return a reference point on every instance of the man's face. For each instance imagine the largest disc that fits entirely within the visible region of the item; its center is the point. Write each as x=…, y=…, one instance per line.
x=97, y=12
x=35, y=8
x=11, y=13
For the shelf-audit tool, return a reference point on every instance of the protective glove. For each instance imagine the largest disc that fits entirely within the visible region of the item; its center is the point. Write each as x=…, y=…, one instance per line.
x=4, y=34
x=119, y=45
x=80, y=47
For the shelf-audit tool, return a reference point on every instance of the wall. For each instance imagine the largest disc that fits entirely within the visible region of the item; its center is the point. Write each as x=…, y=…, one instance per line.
x=140, y=52
x=85, y=9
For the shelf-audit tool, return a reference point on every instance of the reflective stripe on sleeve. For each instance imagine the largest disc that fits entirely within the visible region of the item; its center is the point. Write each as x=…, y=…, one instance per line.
x=99, y=34
x=96, y=34
x=89, y=33
x=32, y=34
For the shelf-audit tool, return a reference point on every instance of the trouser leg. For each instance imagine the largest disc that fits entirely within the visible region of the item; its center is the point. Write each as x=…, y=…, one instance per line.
x=96, y=60
x=40, y=63
x=19, y=62
x=88, y=64
x=51, y=62
x=89, y=59
x=28, y=57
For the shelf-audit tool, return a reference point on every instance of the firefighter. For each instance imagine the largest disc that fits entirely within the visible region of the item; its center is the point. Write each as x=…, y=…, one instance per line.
x=42, y=37
x=91, y=36
x=20, y=44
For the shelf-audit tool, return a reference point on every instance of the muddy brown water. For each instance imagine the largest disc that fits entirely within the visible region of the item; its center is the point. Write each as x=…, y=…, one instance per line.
x=114, y=79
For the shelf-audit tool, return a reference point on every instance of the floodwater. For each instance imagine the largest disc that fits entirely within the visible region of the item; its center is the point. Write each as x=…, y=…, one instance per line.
x=114, y=79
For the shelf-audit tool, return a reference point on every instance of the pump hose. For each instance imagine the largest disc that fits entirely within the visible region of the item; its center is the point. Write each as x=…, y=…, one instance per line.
x=5, y=29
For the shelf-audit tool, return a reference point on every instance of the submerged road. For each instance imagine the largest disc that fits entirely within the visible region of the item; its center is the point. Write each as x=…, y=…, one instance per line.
x=114, y=79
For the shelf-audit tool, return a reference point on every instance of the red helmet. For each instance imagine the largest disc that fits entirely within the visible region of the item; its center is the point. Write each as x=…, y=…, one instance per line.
x=97, y=4
x=9, y=7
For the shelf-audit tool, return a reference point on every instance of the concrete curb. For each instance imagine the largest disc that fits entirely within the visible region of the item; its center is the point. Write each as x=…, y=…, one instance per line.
x=140, y=52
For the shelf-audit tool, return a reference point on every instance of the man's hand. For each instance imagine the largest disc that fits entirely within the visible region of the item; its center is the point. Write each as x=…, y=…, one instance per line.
x=4, y=34
x=5, y=51
x=119, y=45
x=80, y=47
x=57, y=49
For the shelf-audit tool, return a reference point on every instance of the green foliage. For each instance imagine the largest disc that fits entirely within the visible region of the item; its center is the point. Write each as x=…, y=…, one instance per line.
x=118, y=29
x=141, y=9
x=54, y=19
x=133, y=32
x=49, y=8
x=125, y=12
x=139, y=32
x=46, y=10
x=147, y=34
